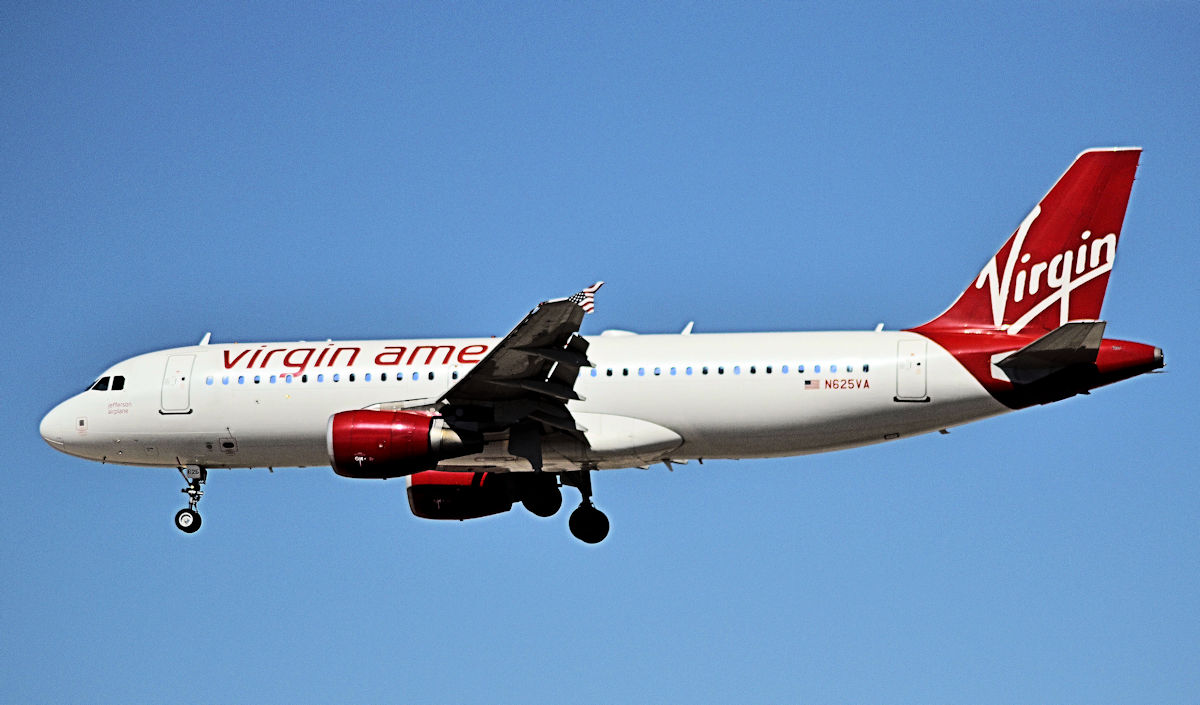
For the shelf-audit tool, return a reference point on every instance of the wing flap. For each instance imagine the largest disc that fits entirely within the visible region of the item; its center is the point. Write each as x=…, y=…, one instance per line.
x=521, y=387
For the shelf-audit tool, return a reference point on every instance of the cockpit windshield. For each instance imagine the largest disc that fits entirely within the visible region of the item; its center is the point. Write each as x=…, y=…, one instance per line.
x=102, y=384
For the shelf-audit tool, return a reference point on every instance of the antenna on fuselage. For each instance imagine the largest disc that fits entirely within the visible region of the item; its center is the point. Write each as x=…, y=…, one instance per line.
x=206, y=338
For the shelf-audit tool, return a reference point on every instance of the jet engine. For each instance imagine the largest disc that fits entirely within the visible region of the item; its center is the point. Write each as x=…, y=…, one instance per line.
x=438, y=494
x=382, y=444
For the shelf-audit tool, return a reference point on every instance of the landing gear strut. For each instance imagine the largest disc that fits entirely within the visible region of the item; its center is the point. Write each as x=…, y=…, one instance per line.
x=187, y=520
x=587, y=523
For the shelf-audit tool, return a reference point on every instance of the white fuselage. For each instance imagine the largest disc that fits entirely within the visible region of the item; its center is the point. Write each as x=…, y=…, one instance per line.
x=648, y=398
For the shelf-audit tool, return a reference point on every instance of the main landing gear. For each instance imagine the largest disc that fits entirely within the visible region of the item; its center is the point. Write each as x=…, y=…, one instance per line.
x=187, y=520
x=587, y=523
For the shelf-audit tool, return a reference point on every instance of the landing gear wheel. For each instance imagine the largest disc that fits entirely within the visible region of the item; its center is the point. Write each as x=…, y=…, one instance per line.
x=187, y=520
x=544, y=504
x=588, y=524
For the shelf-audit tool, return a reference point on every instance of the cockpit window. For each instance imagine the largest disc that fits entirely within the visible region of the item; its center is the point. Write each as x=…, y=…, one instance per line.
x=101, y=385
x=118, y=383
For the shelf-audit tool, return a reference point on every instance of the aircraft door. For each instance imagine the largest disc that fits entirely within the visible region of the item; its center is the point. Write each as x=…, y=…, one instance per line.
x=176, y=385
x=910, y=371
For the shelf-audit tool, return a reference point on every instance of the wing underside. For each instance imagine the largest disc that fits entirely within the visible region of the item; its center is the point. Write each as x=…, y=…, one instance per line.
x=521, y=388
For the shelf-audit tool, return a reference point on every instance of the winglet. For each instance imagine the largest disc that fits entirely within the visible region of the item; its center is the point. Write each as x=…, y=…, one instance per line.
x=587, y=298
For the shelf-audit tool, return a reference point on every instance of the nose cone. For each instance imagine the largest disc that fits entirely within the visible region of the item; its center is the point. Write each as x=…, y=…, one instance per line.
x=54, y=427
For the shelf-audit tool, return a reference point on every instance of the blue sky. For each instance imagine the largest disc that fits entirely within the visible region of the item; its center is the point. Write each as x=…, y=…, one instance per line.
x=287, y=172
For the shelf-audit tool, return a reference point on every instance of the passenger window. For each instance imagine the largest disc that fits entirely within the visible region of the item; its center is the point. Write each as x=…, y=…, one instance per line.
x=816, y=369
x=737, y=369
x=641, y=372
x=272, y=379
x=101, y=385
x=303, y=379
x=720, y=369
x=118, y=383
x=625, y=372
x=382, y=376
x=657, y=371
x=337, y=376
x=800, y=369
x=416, y=376
x=430, y=375
x=832, y=369
x=257, y=379
x=595, y=372
x=687, y=371
x=287, y=379
x=866, y=367
x=752, y=369
x=704, y=370
x=609, y=373
x=849, y=369
x=782, y=370
x=454, y=374
x=351, y=378
x=225, y=380
x=320, y=378
x=672, y=371
x=768, y=370
x=241, y=379
x=207, y=380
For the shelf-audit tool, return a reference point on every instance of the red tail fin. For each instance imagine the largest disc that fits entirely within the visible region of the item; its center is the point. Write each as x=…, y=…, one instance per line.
x=1055, y=267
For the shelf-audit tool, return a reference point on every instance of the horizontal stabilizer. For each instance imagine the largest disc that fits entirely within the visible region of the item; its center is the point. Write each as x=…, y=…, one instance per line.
x=1073, y=343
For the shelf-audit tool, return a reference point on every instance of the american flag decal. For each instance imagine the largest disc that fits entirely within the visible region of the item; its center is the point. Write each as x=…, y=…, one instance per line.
x=587, y=298
x=812, y=384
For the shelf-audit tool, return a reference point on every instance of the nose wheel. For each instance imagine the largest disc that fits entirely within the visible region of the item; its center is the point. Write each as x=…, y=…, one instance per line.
x=187, y=520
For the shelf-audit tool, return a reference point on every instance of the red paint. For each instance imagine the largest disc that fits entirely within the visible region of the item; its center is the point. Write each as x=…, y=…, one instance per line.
x=391, y=355
x=1116, y=360
x=436, y=494
x=432, y=351
x=476, y=351
x=299, y=359
x=443, y=478
x=1052, y=270
x=1058, y=261
x=378, y=444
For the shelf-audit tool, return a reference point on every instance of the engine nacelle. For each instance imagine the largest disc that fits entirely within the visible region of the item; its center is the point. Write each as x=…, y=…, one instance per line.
x=437, y=494
x=379, y=444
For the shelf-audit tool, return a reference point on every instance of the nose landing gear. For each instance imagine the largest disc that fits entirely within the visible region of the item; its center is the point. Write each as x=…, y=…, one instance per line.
x=187, y=520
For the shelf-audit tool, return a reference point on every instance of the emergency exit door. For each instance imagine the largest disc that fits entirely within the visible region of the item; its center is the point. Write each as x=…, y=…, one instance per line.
x=911, y=371
x=176, y=385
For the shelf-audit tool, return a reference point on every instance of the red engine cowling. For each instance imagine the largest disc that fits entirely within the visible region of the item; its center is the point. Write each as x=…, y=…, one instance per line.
x=379, y=444
x=437, y=494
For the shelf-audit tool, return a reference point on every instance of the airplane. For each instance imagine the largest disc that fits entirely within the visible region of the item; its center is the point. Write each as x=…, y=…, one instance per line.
x=476, y=425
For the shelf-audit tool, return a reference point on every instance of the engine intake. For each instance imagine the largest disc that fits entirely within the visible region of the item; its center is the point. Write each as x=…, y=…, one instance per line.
x=380, y=444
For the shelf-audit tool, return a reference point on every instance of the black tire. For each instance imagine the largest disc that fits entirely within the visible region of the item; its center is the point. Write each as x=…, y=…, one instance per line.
x=187, y=521
x=588, y=524
x=544, y=504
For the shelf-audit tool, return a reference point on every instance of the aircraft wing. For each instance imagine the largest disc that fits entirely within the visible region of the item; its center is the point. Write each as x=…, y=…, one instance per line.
x=523, y=385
